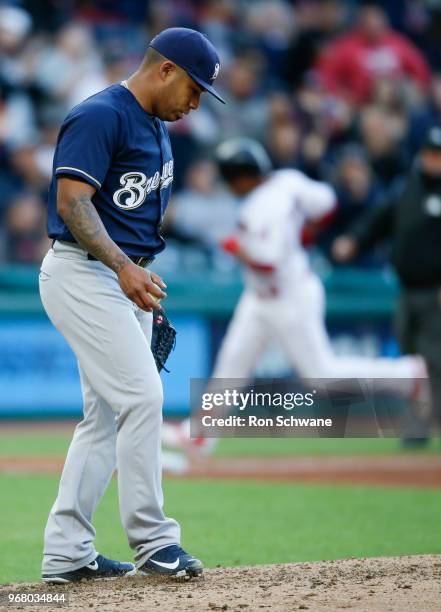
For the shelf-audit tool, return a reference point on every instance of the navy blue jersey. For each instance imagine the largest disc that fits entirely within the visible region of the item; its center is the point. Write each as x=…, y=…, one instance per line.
x=112, y=143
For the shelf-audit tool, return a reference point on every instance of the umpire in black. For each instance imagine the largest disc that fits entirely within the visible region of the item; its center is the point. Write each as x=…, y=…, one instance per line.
x=411, y=220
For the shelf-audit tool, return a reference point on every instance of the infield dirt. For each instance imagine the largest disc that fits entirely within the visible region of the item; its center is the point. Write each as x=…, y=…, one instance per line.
x=365, y=585
x=408, y=471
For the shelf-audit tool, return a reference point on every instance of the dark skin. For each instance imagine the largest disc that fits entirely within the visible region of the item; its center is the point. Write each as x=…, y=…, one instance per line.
x=165, y=90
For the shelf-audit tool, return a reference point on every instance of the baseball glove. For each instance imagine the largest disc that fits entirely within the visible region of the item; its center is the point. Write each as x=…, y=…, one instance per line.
x=163, y=339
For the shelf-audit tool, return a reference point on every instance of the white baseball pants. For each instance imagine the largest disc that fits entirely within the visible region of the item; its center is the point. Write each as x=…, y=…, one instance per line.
x=121, y=428
x=296, y=321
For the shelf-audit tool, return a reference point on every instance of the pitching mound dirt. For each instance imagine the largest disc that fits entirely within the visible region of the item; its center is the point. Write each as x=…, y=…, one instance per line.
x=392, y=584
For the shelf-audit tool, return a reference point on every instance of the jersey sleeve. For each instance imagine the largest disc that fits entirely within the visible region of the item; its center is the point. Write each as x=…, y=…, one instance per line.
x=87, y=143
x=315, y=199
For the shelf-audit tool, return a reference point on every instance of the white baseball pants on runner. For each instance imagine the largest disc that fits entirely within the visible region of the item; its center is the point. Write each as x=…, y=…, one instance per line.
x=295, y=321
x=121, y=429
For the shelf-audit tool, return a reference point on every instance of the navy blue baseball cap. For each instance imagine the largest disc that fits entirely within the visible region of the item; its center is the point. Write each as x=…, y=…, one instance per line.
x=193, y=52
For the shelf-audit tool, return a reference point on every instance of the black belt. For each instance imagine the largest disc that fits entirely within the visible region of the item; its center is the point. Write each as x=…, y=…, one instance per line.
x=138, y=260
x=141, y=261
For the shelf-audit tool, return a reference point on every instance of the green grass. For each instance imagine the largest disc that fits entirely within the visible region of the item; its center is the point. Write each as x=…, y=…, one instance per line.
x=34, y=444
x=38, y=443
x=276, y=447
x=235, y=523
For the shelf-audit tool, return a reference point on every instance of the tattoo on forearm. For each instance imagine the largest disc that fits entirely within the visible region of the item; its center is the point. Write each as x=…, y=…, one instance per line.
x=81, y=217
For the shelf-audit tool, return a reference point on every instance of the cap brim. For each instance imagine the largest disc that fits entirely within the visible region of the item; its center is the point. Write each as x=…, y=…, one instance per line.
x=207, y=87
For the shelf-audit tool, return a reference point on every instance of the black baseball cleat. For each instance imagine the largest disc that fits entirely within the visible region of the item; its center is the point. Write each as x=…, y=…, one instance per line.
x=100, y=569
x=172, y=561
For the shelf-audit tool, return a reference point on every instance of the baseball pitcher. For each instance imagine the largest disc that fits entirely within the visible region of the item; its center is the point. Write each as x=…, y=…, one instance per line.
x=112, y=176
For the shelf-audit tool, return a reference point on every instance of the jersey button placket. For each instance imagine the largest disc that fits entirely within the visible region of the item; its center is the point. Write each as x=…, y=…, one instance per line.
x=160, y=139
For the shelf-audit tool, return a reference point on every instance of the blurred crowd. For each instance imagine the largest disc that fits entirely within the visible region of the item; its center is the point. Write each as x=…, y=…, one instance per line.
x=343, y=90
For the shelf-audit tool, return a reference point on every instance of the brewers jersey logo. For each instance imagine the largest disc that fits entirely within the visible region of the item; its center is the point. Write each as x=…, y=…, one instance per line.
x=136, y=186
